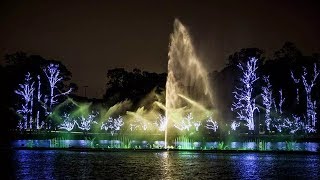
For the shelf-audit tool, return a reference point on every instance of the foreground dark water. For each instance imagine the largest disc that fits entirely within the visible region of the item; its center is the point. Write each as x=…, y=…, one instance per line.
x=63, y=164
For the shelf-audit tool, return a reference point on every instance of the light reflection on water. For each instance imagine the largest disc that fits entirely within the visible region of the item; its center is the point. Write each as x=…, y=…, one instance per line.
x=59, y=164
x=265, y=146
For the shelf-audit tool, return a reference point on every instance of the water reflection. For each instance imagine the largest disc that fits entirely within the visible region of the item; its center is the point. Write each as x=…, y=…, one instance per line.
x=165, y=165
x=31, y=164
x=263, y=146
x=34, y=164
x=248, y=166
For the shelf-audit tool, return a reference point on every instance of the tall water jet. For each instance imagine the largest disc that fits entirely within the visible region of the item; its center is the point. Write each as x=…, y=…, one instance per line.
x=187, y=77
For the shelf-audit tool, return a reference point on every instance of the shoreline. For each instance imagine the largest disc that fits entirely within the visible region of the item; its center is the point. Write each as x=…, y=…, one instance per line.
x=165, y=150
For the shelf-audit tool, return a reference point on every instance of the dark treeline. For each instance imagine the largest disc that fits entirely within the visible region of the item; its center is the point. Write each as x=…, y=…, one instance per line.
x=135, y=85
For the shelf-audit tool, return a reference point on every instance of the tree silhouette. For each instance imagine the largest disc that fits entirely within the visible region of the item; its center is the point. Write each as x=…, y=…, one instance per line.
x=133, y=85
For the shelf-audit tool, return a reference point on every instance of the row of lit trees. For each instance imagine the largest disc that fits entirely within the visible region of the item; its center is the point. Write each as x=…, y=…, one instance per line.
x=34, y=101
x=245, y=106
x=112, y=125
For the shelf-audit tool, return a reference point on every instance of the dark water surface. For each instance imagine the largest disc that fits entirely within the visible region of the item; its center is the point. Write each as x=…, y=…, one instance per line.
x=64, y=164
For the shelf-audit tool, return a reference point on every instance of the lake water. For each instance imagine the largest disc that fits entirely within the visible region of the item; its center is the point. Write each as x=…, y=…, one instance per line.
x=266, y=146
x=64, y=164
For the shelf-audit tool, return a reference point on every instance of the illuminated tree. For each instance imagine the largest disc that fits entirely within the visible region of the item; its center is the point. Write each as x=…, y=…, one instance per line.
x=267, y=100
x=290, y=125
x=235, y=125
x=68, y=122
x=113, y=125
x=281, y=101
x=296, y=81
x=211, y=124
x=311, y=118
x=279, y=121
x=311, y=105
x=39, y=95
x=26, y=92
x=54, y=77
x=86, y=122
x=162, y=123
x=197, y=125
x=296, y=125
x=185, y=124
x=244, y=103
x=52, y=73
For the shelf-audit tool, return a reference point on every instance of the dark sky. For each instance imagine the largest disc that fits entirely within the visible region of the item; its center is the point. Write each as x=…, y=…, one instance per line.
x=90, y=37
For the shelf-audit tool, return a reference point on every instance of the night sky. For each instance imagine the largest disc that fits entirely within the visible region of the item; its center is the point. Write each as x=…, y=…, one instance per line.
x=90, y=37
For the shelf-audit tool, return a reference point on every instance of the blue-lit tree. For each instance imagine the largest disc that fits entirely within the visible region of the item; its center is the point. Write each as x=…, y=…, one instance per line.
x=54, y=77
x=311, y=105
x=39, y=125
x=310, y=118
x=87, y=121
x=68, y=122
x=244, y=104
x=296, y=124
x=296, y=81
x=267, y=100
x=26, y=92
x=234, y=125
x=281, y=101
x=52, y=73
x=279, y=120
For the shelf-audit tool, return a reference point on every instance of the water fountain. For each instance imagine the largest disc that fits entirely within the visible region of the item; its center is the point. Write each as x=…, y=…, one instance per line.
x=187, y=87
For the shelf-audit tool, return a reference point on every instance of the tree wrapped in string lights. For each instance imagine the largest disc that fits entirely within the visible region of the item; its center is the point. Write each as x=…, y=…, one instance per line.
x=113, y=125
x=280, y=122
x=162, y=123
x=211, y=124
x=26, y=92
x=87, y=121
x=68, y=122
x=296, y=81
x=53, y=75
x=197, y=124
x=244, y=104
x=310, y=118
x=311, y=105
x=235, y=125
x=39, y=125
x=267, y=100
x=185, y=124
